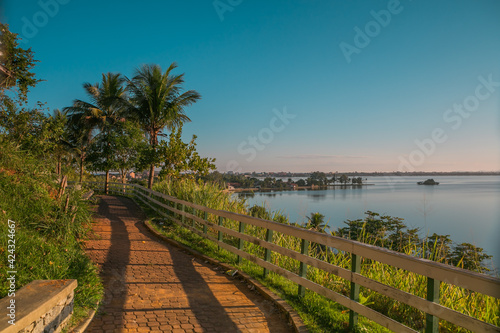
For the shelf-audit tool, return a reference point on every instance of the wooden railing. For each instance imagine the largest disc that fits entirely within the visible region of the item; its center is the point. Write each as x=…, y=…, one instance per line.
x=435, y=273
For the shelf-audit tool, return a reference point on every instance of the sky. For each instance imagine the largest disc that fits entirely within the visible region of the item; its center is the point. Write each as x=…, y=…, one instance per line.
x=294, y=85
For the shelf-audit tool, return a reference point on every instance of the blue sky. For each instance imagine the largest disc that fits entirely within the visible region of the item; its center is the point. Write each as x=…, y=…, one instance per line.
x=294, y=85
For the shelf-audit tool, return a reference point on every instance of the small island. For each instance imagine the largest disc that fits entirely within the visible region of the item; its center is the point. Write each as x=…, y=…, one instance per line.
x=428, y=182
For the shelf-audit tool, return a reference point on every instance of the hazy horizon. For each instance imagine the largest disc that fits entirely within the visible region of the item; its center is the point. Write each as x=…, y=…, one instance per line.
x=357, y=171
x=293, y=85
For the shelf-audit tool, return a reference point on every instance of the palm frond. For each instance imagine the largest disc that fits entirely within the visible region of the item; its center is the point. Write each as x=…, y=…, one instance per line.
x=156, y=98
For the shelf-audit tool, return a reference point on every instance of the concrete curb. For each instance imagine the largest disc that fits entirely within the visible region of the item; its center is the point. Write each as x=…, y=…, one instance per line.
x=84, y=323
x=292, y=316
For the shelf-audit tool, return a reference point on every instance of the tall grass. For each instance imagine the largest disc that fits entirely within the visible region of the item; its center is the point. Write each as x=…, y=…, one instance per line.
x=48, y=228
x=319, y=313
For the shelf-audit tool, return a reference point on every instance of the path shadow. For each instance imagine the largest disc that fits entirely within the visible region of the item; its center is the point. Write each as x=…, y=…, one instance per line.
x=113, y=270
x=201, y=298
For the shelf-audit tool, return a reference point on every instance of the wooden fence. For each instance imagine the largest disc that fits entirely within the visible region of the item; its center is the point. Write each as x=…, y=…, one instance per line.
x=434, y=272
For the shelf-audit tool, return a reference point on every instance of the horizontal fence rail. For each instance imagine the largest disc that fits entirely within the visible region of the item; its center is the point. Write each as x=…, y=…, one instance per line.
x=178, y=211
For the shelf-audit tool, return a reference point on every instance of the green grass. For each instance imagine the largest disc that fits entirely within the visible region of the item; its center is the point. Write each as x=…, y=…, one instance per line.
x=48, y=245
x=320, y=314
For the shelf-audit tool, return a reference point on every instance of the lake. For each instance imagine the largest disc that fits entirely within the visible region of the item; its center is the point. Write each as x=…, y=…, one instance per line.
x=465, y=207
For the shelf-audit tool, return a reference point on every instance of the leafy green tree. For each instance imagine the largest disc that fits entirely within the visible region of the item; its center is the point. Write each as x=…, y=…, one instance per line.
x=357, y=180
x=260, y=212
x=100, y=154
x=310, y=181
x=57, y=127
x=468, y=256
x=402, y=237
x=157, y=102
x=128, y=141
x=178, y=158
x=439, y=247
x=344, y=179
x=390, y=232
x=16, y=66
x=215, y=177
x=103, y=112
x=268, y=182
x=116, y=148
x=79, y=138
x=374, y=229
x=26, y=127
x=318, y=178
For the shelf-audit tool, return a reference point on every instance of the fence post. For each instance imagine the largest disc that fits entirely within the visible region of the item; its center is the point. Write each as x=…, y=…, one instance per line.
x=432, y=322
x=205, y=229
x=267, y=252
x=219, y=233
x=193, y=221
x=163, y=201
x=171, y=204
x=304, y=247
x=182, y=215
x=241, y=243
x=355, y=268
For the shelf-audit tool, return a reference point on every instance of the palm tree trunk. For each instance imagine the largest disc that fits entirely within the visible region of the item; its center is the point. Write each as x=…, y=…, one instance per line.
x=151, y=176
x=153, y=142
x=106, y=182
x=123, y=172
x=81, y=168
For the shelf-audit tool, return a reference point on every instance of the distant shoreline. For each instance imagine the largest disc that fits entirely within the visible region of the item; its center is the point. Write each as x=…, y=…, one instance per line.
x=374, y=174
x=300, y=188
x=433, y=173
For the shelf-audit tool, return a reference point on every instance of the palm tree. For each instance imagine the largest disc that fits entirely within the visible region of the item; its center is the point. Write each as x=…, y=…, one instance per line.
x=106, y=106
x=315, y=221
x=156, y=102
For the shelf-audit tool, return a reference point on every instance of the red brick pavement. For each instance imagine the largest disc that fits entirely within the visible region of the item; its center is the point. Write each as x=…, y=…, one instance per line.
x=155, y=287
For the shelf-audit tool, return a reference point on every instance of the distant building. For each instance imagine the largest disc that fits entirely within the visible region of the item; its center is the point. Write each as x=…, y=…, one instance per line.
x=132, y=175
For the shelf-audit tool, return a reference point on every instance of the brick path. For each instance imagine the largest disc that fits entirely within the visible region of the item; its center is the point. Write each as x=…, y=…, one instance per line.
x=155, y=287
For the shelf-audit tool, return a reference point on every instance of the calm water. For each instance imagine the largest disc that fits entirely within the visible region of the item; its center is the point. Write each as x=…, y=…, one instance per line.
x=465, y=207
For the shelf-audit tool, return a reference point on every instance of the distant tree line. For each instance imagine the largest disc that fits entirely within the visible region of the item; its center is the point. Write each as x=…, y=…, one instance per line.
x=315, y=179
